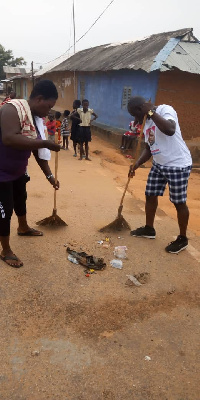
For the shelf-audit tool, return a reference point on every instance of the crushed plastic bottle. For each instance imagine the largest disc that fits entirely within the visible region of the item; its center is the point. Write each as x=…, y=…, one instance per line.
x=116, y=264
x=72, y=259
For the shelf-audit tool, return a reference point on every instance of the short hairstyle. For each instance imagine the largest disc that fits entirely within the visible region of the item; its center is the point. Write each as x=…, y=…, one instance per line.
x=136, y=101
x=46, y=89
x=77, y=103
x=66, y=113
x=85, y=101
x=57, y=114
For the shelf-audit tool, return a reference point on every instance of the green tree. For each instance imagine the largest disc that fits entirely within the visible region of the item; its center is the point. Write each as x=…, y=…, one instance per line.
x=7, y=58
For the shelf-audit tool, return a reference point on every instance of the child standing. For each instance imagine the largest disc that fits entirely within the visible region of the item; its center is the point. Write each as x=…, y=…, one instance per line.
x=75, y=118
x=85, y=115
x=65, y=130
x=58, y=125
x=51, y=127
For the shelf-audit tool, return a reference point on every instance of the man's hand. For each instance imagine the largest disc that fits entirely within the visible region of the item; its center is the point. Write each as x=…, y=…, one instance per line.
x=131, y=173
x=52, y=146
x=146, y=107
x=53, y=183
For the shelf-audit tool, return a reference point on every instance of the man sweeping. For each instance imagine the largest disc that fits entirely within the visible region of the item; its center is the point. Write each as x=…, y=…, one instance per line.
x=19, y=135
x=172, y=164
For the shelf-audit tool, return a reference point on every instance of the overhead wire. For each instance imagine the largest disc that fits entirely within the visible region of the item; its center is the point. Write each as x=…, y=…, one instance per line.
x=78, y=40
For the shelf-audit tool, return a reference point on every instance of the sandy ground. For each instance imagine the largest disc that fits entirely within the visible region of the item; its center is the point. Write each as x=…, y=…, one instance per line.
x=65, y=336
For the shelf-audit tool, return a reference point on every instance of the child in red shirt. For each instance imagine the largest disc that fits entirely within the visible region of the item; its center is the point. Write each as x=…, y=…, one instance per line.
x=51, y=127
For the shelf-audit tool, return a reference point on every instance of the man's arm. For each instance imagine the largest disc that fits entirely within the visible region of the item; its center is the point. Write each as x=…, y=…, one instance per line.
x=44, y=165
x=145, y=156
x=11, y=133
x=166, y=126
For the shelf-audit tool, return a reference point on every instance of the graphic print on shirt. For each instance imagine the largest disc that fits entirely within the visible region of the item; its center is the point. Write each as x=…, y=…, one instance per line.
x=150, y=134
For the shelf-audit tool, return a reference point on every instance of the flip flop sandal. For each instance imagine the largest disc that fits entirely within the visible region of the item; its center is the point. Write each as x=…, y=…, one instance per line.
x=14, y=258
x=31, y=232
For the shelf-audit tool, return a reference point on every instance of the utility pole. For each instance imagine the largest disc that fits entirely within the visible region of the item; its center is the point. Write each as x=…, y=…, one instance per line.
x=32, y=74
x=74, y=25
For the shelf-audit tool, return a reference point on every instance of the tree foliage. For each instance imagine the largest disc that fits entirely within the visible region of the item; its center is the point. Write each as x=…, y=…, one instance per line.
x=7, y=58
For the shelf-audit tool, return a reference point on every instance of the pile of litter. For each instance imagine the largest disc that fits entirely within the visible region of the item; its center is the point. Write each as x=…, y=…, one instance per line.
x=86, y=260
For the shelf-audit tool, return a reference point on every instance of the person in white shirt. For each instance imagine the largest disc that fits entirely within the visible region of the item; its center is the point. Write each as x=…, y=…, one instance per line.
x=85, y=114
x=172, y=164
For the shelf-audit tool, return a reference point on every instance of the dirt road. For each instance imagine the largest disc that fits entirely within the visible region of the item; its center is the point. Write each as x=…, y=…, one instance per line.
x=68, y=337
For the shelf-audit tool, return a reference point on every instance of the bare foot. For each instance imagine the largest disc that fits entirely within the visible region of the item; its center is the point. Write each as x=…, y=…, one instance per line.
x=80, y=158
x=88, y=159
x=11, y=259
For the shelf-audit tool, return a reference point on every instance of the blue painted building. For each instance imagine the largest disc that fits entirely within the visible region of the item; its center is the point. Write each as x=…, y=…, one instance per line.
x=108, y=93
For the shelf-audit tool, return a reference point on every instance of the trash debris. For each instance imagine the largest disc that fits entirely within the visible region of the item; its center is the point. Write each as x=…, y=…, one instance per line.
x=97, y=152
x=106, y=245
x=138, y=279
x=120, y=251
x=35, y=353
x=100, y=242
x=65, y=245
x=147, y=358
x=128, y=156
x=134, y=280
x=107, y=239
x=72, y=259
x=116, y=264
x=87, y=275
x=119, y=237
x=87, y=260
x=143, y=277
x=171, y=291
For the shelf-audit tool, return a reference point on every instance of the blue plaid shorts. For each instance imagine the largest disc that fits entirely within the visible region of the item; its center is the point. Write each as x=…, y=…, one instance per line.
x=177, y=179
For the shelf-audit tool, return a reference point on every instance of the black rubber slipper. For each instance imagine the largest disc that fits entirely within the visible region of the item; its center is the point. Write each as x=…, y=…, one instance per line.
x=14, y=258
x=31, y=232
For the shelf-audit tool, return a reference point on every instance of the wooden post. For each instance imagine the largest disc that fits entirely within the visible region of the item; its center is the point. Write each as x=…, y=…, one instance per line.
x=32, y=74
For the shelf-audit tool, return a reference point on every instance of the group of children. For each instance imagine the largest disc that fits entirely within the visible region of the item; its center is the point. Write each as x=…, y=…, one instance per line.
x=81, y=118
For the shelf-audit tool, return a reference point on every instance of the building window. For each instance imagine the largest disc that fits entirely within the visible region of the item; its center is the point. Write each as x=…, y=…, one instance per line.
x=82, y=90
x=126, y=95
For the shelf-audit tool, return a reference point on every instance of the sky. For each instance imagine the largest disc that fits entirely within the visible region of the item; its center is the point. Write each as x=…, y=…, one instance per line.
x=41, y=30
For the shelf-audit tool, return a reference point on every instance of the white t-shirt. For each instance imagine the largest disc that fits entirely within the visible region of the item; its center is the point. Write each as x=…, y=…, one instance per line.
x=170, y=151
x=85, y=117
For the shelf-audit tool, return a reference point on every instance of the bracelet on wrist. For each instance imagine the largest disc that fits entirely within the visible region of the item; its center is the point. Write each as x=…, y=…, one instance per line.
x=49, y=176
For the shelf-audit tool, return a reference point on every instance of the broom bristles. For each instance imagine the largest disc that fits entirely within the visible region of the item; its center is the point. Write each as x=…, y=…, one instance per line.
x=118, y=224
x=53, y=220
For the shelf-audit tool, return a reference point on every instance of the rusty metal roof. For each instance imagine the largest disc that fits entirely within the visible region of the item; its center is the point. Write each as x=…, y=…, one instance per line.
x=147, y=54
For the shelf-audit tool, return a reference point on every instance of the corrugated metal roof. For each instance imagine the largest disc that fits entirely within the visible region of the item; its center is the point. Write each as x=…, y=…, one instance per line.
x=185, y=56
x=15, y=70
x=140, y=54
x=51, y=65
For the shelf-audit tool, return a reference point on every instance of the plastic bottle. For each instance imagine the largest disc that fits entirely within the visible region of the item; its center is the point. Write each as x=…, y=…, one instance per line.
x=72, y=259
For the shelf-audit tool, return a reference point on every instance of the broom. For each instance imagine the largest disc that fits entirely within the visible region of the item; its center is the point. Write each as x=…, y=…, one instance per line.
x=54, y=219
x=120, y=223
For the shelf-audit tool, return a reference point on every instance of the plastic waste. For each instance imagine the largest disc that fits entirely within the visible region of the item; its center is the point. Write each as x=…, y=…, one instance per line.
x=134, y=280
x=120, y=251
x=147, y=358
x=116, y=264
x=72, y=259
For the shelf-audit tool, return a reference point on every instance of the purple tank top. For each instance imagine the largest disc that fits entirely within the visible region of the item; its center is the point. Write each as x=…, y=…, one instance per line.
x=13, y=162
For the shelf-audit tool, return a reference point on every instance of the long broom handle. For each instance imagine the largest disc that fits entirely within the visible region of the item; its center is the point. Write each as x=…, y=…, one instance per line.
x=56, y=170
x=136, y=156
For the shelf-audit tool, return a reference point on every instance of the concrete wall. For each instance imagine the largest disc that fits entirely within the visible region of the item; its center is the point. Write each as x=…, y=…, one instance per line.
x=104, y=91
x=182, y=91
x=64, y=82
